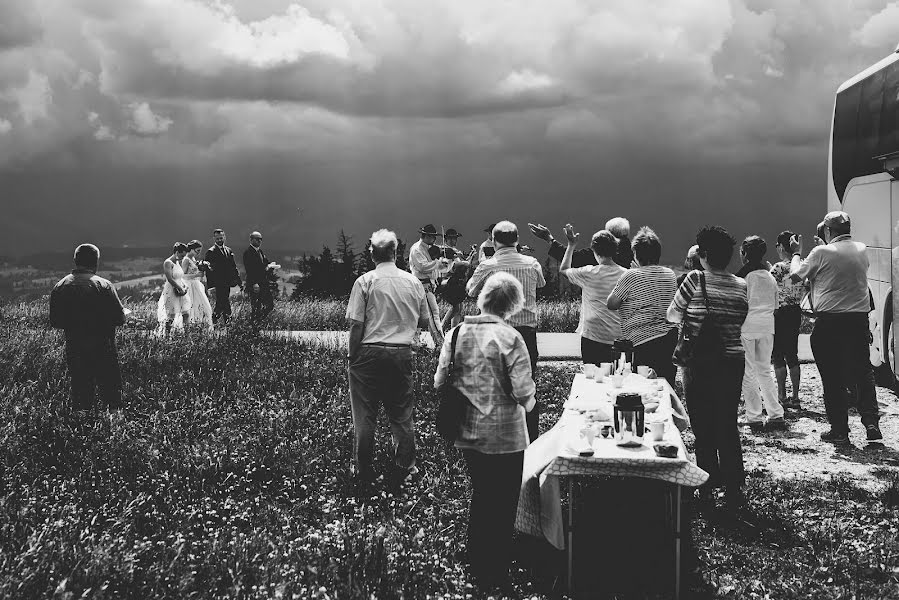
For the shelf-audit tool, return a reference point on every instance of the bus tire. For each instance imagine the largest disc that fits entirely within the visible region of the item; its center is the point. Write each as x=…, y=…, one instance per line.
x=883, y=375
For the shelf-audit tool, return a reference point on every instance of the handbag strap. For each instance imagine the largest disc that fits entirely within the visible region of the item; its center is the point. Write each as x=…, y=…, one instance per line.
x=452, y=360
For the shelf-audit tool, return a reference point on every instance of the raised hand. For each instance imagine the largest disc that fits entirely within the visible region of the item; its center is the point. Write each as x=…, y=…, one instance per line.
x=796, y=243
x=540, y=231
x=570, y=234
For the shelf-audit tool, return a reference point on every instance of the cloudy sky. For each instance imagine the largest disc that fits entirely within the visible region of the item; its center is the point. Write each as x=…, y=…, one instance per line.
x=142, y=122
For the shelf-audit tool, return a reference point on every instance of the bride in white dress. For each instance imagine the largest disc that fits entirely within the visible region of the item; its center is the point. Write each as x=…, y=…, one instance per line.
x=174, y=303
x=200, y=309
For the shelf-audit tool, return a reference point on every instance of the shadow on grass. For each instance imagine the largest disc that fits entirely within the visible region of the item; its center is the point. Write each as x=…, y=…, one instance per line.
x=875, y=453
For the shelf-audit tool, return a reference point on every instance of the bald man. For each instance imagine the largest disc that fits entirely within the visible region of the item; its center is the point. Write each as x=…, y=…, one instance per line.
x=256, y=265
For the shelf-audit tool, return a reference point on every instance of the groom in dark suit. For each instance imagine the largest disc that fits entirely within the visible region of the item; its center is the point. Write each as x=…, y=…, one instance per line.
x=256, y=264
x=222, y=275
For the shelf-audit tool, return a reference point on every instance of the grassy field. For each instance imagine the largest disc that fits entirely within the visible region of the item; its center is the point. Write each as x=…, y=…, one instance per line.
x=228, y=477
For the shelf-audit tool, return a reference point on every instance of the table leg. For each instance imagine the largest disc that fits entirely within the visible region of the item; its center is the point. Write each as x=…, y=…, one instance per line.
x=570, y=533
x=677, y=541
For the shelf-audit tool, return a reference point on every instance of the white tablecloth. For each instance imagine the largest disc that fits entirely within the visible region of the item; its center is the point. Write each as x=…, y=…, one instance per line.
x=554, y=454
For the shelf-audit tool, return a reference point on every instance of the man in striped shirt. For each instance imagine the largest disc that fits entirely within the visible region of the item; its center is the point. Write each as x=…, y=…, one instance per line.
x=528, y=271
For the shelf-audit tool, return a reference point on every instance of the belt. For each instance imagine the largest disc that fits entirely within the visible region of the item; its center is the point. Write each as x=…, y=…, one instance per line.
x=386, y=345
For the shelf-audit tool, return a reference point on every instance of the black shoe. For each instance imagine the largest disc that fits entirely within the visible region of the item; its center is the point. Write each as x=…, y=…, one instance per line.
x=757, y=426
x=839, y=439
x=874, y=434
x=776, y=424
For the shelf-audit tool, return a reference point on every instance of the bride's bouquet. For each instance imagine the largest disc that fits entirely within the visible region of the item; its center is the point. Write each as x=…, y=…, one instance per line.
x=204, y=266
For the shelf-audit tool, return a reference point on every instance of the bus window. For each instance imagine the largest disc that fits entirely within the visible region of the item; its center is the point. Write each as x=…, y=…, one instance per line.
x=889, y=112
x=869, y=123
x=845, y=120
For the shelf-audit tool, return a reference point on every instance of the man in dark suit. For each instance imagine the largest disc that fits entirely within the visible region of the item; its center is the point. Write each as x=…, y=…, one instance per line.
x=256, y=265
x=222, y=275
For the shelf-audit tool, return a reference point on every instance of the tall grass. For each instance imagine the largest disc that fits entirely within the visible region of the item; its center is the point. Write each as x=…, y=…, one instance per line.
x=228, y=476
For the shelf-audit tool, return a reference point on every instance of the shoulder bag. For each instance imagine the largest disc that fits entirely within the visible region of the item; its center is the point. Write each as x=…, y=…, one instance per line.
x=704, y=343
x=451, y=402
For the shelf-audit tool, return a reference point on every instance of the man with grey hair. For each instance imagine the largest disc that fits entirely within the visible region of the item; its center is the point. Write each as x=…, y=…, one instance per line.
x=617, y=226
x=387, y=307
x=838, y=272
x=88, y=309
x=528, y=271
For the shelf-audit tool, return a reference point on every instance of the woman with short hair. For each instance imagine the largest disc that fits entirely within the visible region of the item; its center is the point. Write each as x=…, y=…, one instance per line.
x=787, y=321
x=642, y=296
x=712, y=384
x=599, y=327
x=492, y=369
x=757, y=335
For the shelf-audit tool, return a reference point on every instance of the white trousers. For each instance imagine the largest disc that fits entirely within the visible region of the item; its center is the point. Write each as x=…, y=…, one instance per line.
x=759, y=374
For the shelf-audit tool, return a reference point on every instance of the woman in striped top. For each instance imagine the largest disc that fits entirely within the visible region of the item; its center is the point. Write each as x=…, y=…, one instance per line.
x=712, y=386
x=599, y=327
x=642, y=296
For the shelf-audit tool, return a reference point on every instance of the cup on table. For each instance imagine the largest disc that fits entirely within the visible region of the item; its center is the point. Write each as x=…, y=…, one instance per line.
x=643, y=371
x=589, y=370
x=589, y=433
x=657, y=431
x=605, y=369
x=617, y=380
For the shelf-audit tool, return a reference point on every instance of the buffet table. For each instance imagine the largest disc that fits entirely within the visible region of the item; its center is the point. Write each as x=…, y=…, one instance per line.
x=556, y=454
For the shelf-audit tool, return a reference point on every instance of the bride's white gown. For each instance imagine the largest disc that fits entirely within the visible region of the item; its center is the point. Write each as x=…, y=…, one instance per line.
x=172, y=303
x=200, y=308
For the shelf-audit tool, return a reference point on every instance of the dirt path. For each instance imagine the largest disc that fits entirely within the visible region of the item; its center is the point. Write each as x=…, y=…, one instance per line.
x=800, y=452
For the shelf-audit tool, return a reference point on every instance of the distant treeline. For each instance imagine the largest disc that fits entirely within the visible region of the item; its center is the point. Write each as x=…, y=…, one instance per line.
x=331, y=274
x=62, y=261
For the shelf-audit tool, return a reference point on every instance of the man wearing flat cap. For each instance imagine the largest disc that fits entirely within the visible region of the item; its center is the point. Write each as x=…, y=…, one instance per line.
x=428, y=270
x=257, y=267
x=838, y=272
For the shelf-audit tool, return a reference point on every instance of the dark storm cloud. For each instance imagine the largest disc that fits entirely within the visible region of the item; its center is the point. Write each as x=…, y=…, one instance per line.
x=302, y=118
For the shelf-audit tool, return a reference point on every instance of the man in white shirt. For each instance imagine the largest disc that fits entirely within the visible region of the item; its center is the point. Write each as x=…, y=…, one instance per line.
x=428, y=270
x=838, y=272
x=757, y=335
x=386, y=308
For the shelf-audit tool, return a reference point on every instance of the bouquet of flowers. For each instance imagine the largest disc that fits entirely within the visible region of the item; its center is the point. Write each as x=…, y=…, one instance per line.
x=204, y=266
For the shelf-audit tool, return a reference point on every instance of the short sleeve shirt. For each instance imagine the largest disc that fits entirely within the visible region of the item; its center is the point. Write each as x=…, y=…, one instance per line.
x=389, y=302
x=597, y=323
x=728, y=300
x=761, y=289
x=524, y=268
x=839, y=275
x=645, y=294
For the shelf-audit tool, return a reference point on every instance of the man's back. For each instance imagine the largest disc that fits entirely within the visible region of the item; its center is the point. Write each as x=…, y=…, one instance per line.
x=839, y=275
x=524, y=268
x=389, y=302
x=83, y=303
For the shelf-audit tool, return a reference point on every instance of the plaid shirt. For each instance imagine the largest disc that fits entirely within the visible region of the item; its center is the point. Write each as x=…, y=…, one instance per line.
x=524, y=268
x=493, y=370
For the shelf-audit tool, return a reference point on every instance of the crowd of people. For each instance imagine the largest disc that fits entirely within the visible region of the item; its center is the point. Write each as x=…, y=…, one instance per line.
x=185, y=300
x=747, y=323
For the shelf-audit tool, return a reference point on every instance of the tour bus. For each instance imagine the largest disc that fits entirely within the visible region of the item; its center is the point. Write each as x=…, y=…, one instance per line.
x=863, y=180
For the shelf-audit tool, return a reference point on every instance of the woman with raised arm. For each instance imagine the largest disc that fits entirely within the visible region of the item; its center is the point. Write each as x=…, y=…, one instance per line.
x=599, y=327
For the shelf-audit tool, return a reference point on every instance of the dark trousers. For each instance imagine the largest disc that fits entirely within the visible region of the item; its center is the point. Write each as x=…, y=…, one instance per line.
x=222, y=303
x=712, y=390
x=532, y=418
x=93, y=365
x=495, y=483
x=261, y=302
x=787, y=320
x=378, y=376
x=656, y=354
x=595, y=353
x=840, y=346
